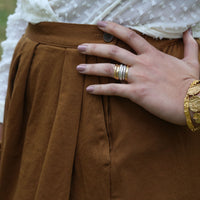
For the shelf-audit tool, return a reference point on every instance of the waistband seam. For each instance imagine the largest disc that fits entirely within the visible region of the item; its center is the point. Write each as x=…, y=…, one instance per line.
x=50, y=43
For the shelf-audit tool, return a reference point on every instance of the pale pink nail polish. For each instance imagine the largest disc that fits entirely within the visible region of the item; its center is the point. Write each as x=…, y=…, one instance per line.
x=81, y=68
x=90, y=89
x=102, y=24
x=82, y=48
x=190, y=31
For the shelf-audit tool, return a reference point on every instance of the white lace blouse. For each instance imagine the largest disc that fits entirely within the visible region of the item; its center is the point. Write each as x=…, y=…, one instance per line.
x=156, y=18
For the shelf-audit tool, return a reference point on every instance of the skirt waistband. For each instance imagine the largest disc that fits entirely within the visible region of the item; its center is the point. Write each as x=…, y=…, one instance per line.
x=64, y=34
x=72, y=35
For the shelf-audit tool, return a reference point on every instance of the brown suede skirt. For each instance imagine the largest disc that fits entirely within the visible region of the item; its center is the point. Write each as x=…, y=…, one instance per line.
x=61, y=143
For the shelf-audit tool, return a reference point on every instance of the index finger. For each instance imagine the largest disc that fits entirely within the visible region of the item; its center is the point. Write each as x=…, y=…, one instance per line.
x=138, y=43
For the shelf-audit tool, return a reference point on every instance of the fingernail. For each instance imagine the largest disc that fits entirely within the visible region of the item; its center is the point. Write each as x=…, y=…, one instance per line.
x=90, y=89
x=81, y=68
x=82, y=48
x=102, y=24
x=190, y=31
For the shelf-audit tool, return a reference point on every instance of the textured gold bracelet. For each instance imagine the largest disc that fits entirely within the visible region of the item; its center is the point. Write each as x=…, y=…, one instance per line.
x=192, y=106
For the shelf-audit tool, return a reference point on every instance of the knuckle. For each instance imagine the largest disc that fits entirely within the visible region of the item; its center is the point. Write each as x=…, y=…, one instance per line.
x=113, y=89
x=109, y=70
x=145, y=60
x=92, y=48
x=113, y=51
x=140, y=93
x=113, y=27
x=143, y=77
x=131, y=35
x=90, y=68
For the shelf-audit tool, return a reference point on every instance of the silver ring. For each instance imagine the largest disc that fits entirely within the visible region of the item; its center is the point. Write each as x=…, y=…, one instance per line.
x=121, y=72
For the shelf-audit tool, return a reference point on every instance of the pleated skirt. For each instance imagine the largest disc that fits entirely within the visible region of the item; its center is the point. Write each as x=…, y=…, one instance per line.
x=61, y=143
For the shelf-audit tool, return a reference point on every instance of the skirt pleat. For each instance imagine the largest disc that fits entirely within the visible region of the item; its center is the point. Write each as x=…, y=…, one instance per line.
x=61, y=143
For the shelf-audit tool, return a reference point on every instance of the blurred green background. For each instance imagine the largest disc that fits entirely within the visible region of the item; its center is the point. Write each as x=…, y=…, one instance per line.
x=6, y=7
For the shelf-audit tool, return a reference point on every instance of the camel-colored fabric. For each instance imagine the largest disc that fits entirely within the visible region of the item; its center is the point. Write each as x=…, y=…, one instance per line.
x=61, y=143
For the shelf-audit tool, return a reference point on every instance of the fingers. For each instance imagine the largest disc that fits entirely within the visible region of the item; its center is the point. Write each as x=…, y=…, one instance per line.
x=111, y=89
x=103, y=69
x=190, y=47
x=108, y=51
x=100, y=69
x=138, y=43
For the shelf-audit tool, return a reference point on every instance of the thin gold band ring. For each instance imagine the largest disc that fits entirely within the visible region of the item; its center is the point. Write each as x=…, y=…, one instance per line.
x=121, y=72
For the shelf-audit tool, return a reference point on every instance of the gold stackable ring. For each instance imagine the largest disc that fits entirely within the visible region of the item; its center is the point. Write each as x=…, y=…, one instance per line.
x=121, y=72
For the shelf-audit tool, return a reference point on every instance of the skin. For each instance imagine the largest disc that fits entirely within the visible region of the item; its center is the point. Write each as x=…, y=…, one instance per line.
x=156, y=81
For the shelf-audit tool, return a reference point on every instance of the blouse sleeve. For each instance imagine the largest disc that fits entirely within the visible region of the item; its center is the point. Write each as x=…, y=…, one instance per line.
x=16, y=26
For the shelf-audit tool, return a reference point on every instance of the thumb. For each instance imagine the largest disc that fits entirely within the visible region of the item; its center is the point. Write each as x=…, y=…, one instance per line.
x=190, y=47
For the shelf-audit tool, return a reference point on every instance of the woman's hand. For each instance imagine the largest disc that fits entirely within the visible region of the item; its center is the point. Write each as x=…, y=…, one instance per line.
x=156, y=81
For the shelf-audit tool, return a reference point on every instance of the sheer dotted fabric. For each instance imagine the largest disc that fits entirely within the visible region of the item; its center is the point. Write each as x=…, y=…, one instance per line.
x=156, y=18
